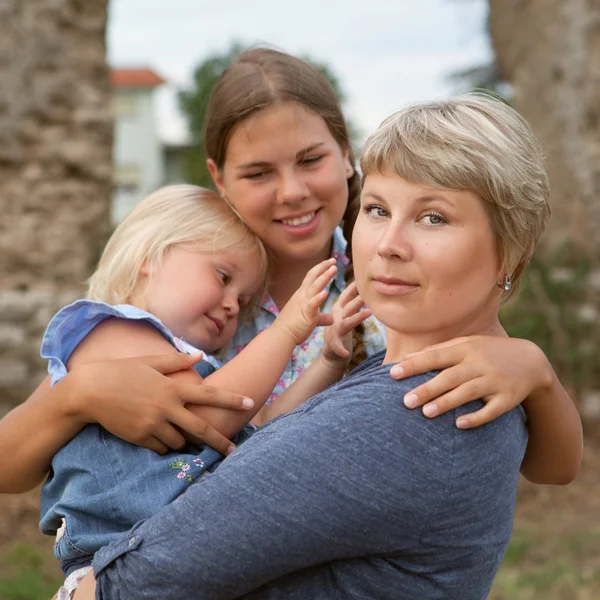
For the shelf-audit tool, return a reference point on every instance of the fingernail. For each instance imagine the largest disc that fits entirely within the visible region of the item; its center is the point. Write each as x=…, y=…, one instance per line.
x=462, y=422
x=410, y=400
x=397, y=371
x=230, y=449
x=430, y=410
x=247, y=403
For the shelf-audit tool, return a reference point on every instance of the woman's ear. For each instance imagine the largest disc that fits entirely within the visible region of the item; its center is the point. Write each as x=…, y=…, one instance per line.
x=217, y=176
x=348, y=166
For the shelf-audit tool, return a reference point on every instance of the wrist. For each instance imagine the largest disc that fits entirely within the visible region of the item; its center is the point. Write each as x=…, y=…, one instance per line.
x=544, y=373
x=286, y=332
x=74, y=404
x=334, y=362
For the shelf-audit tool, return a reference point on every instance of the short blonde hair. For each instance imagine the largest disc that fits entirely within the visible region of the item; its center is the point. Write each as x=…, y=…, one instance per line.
x=172, y=216
x=478, y=143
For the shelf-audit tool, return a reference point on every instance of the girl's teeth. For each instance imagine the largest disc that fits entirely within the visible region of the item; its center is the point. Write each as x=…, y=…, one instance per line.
x=299, y=220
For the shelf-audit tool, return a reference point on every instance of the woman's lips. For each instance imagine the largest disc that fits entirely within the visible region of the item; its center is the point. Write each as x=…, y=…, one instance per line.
x=388, y=286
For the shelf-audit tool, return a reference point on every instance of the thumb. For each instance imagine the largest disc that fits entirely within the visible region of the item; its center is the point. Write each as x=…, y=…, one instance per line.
x=171, y=363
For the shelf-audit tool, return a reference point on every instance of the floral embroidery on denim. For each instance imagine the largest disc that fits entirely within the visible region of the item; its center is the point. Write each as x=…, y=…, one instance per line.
x=183, y=468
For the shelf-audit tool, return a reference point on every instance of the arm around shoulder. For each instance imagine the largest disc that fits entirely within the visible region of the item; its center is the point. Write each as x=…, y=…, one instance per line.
x=555, y=448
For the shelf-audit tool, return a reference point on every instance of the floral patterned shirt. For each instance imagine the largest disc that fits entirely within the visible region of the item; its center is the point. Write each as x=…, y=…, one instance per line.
x=305, y=354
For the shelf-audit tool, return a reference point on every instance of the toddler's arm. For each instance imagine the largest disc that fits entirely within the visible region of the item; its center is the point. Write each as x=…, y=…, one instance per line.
x=254, y=372
x=347, y=313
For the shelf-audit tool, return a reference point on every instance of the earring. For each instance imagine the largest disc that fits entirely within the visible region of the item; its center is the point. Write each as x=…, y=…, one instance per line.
x=505, y=284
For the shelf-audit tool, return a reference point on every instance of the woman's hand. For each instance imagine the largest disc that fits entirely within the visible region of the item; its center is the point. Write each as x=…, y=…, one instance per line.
x=133, y=399
x=501, y=371
x=348, y=312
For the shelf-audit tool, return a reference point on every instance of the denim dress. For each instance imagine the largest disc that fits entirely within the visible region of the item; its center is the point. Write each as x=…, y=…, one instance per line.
x=100, y=486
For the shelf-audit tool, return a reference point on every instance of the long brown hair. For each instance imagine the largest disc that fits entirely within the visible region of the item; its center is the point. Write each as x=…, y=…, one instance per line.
x=260, y=78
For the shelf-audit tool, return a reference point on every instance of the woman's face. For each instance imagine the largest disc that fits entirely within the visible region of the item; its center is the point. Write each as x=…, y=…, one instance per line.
x=425, y=259
x=287, y=177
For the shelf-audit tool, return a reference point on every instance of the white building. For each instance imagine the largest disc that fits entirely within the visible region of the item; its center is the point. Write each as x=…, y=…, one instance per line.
x=138, y=153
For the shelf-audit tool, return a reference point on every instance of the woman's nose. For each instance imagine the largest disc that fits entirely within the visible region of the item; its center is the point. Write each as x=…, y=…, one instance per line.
x=395, y=242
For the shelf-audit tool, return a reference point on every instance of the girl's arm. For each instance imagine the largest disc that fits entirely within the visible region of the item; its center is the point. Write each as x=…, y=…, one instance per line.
x=347, y=313
x=136, y=399
x=503, y=372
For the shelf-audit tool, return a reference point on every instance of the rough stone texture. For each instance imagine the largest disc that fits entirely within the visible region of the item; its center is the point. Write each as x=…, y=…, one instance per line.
x=55, y=170
x=549, y=50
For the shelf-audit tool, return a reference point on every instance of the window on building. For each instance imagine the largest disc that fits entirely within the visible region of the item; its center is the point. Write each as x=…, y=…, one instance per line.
x=124, y=104
x=127, y=179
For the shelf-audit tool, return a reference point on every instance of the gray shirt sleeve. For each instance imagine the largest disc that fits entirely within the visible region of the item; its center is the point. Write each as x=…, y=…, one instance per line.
x=351, y=474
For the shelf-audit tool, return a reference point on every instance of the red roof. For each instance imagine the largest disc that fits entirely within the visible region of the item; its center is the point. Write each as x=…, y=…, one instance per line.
x=135, y=78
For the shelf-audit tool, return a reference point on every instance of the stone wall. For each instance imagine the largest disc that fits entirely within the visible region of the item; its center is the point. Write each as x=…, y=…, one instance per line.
x=55, y=170
x=549, y=51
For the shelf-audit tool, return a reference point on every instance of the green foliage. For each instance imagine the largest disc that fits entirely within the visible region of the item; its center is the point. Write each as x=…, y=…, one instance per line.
x=484, y=77
x=549, y=566
x=26, y=578
x=553, y=310
x=194, y=100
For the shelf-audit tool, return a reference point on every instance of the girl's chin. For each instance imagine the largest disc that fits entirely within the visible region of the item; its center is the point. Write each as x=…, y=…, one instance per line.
x=316, y=248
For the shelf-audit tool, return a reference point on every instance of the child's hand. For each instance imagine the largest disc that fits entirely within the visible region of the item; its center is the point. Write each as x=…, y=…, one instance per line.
x=302, y=312
x=348, y=312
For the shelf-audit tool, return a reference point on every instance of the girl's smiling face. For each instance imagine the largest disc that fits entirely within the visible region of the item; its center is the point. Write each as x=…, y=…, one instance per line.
x=287, y=177
x=425, y=260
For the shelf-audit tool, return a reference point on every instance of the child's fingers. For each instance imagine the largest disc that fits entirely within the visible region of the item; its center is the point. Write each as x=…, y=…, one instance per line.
x=322, y=280
x=318, y=270
x=338, y=348
x=353, y=306
x=324, y=320
x=313, y=304
x=349, y=323
x=311, y=307
x=347, y=294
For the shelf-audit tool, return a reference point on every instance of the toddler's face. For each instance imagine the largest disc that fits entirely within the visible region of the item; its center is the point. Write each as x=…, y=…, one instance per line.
x=198, y=296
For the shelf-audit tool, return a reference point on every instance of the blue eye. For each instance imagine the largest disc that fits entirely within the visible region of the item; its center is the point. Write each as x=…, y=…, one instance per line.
x=373, y=210
x=435, y=218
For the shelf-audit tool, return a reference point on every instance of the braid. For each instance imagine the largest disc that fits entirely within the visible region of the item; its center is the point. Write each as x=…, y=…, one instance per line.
x=359, y=350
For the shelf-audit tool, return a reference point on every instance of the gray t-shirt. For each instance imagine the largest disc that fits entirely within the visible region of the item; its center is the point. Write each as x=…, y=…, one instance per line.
x=350, y=496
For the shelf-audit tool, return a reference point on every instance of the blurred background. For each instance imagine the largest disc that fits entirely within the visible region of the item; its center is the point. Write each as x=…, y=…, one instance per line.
x=102, y=102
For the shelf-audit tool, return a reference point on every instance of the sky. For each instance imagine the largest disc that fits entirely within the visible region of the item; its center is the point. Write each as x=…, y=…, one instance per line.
x=385, y=53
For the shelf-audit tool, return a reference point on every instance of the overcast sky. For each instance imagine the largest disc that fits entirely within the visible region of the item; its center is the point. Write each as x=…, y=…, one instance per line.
x=386, y=53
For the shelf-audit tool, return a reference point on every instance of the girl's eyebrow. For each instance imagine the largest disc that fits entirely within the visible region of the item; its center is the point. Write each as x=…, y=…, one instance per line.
x=310, y=148
x=264, y=163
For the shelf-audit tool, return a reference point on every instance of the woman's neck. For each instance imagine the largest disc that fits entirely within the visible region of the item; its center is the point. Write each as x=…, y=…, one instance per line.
x=287, y=275
x=400, y=344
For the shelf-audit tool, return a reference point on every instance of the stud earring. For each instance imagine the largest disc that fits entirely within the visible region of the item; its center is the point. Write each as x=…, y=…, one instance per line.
x=505, y=284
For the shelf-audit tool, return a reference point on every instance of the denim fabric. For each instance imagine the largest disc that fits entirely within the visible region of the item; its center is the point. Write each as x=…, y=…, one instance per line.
x=72, y=324
x=352, y=495
x=306, y=353
x=99, y=485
